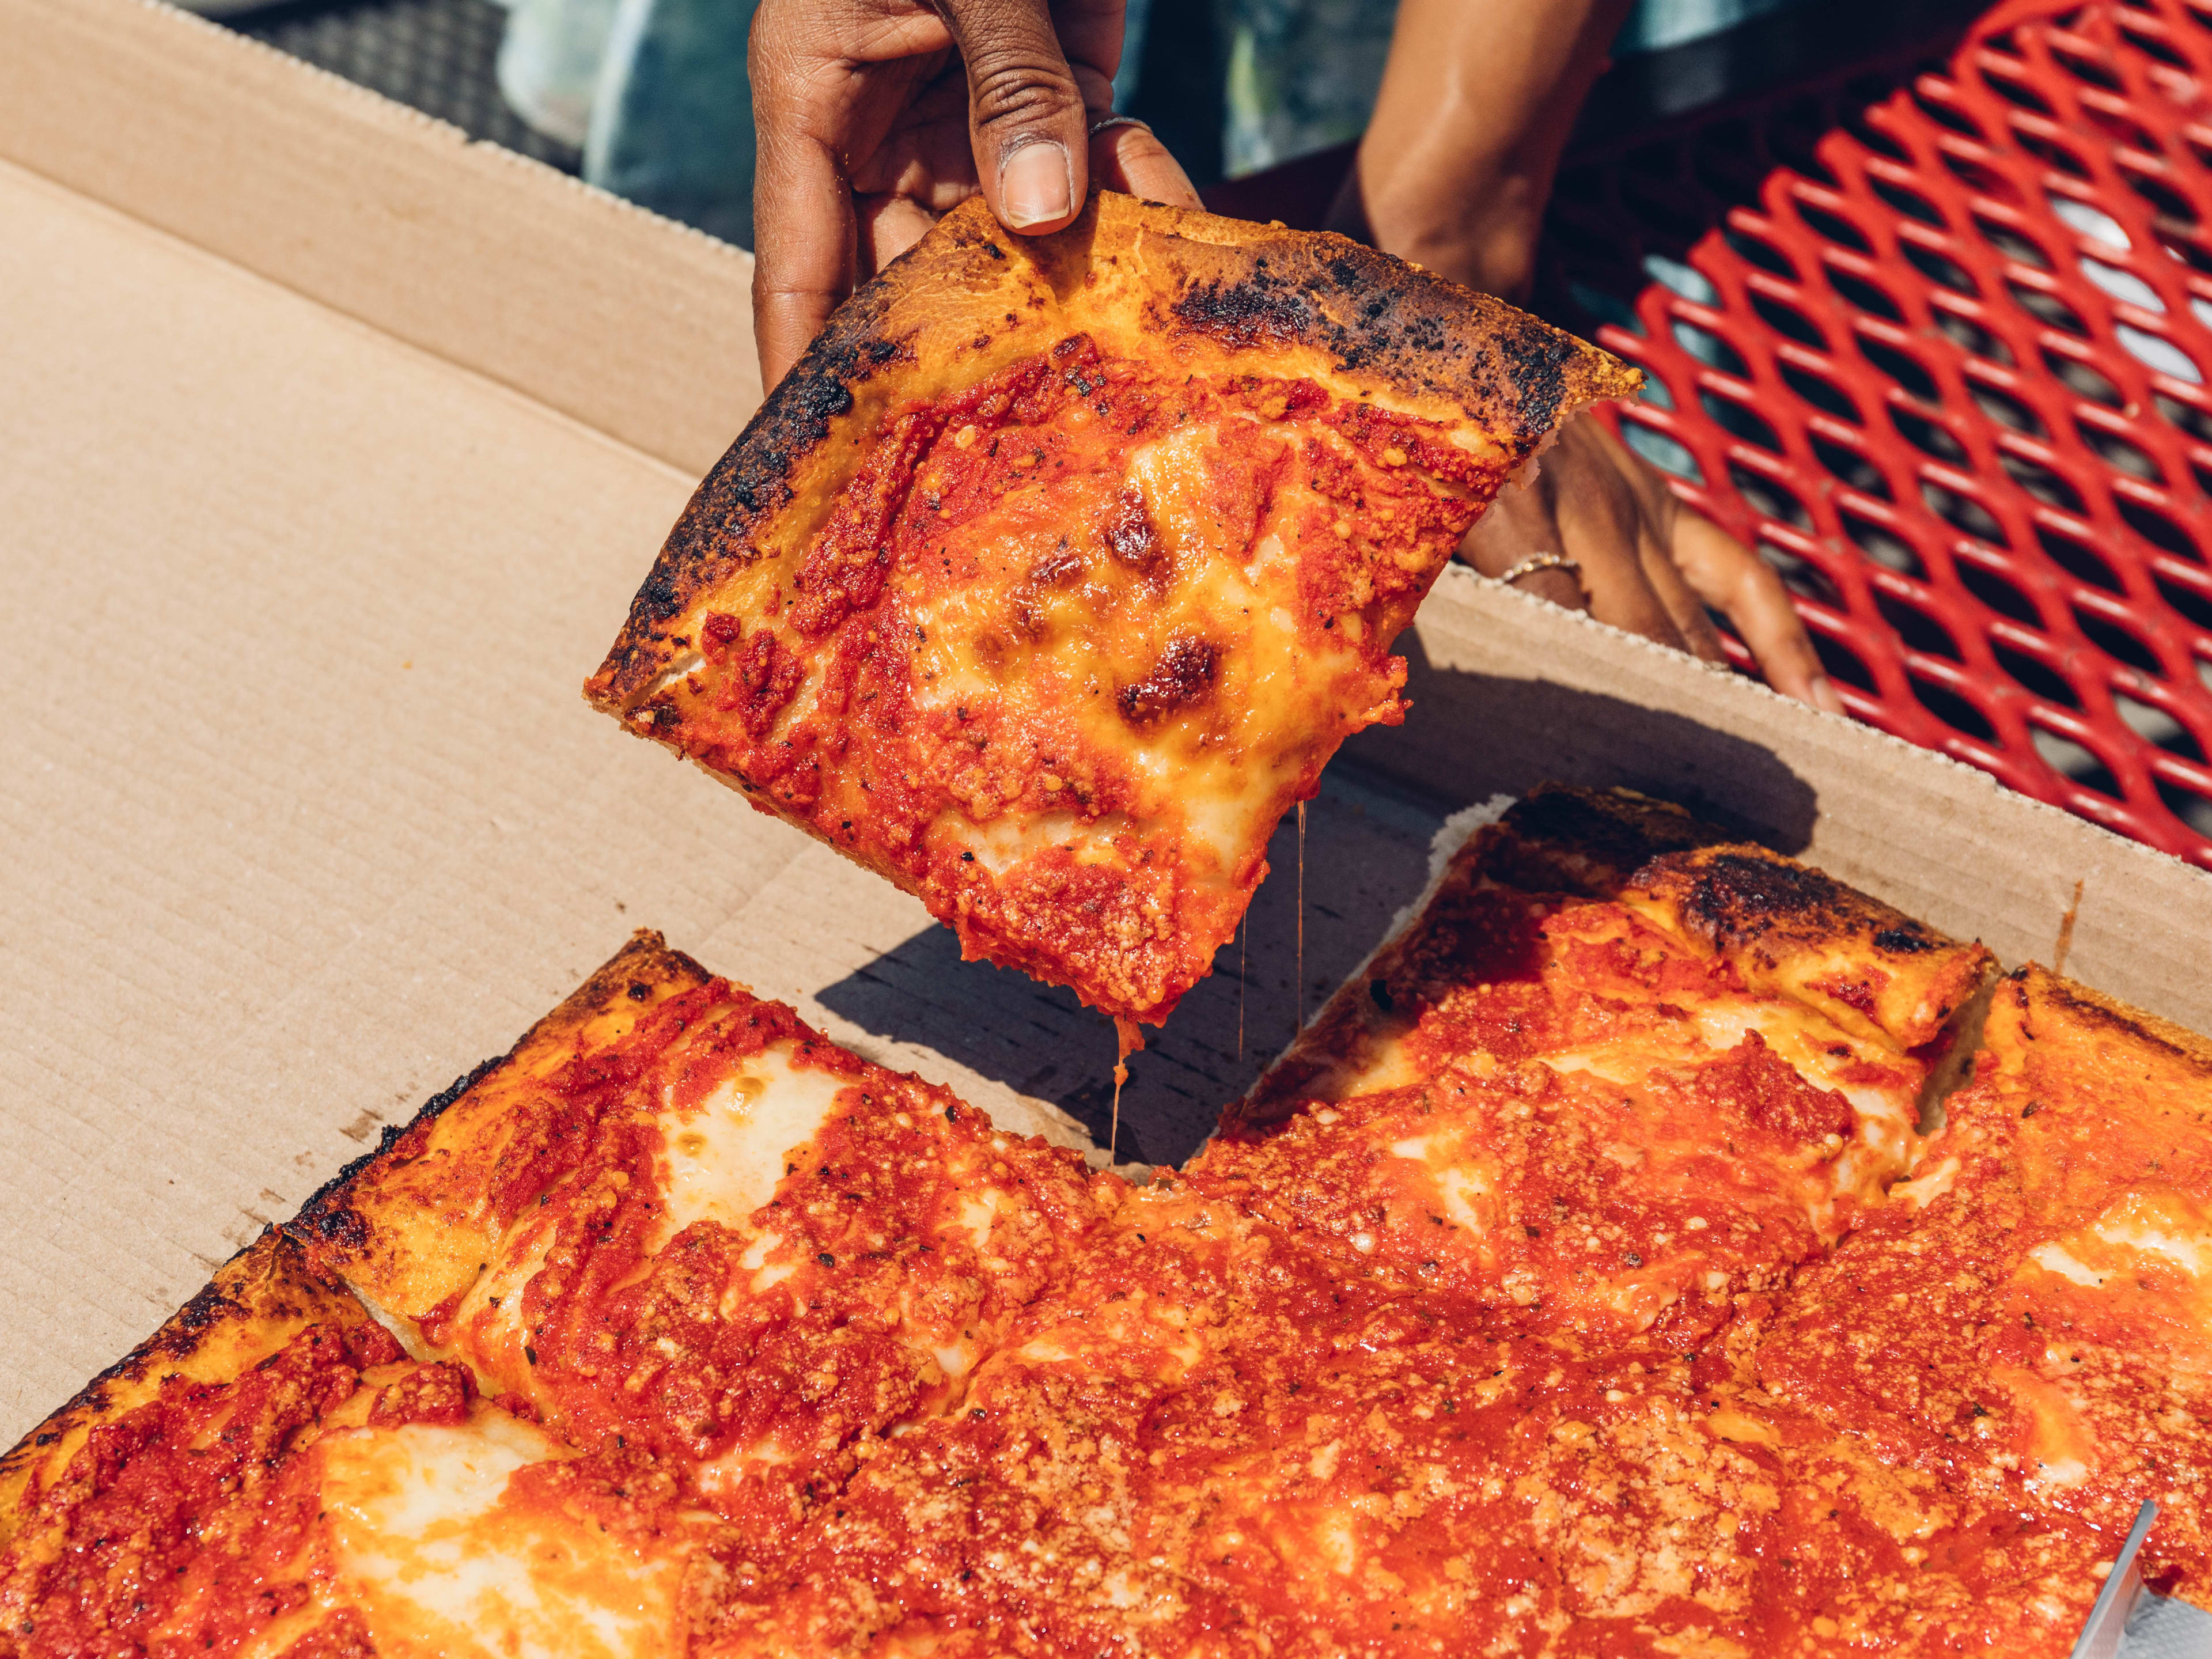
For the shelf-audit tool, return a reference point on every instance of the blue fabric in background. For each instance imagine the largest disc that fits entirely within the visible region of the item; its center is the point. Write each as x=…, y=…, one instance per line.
x=671, y=112
x=671, y=123
x=1302, y=74
x=1656, y=25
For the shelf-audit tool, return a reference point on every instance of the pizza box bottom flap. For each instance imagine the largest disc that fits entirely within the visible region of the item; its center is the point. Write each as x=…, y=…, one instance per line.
x=322, y=499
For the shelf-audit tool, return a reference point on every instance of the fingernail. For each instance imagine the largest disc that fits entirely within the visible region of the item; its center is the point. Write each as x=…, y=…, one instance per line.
x=1822, y=690
x=1037, y=185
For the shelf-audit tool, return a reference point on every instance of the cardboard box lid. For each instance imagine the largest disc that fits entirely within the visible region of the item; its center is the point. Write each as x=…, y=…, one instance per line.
x=335, y=446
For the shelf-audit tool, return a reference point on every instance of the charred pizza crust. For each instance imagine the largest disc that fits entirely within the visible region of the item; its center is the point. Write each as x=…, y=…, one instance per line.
x=1557, y=839
x=412, y=1221
x=1867, y=965
x=271, y=1292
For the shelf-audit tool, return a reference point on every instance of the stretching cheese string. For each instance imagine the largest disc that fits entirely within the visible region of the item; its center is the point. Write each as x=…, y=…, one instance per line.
x=1301, y=988
x=1129, y=1039
x=1243, y=930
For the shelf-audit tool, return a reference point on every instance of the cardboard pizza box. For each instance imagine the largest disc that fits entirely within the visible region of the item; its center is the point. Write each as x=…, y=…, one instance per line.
x=332, y=447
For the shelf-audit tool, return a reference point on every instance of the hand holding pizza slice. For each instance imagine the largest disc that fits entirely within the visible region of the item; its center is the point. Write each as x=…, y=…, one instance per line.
x=1060, y=567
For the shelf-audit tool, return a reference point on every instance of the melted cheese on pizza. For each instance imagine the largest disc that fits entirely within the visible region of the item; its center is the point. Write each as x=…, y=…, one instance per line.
x=459, y=1539
x=1072, y=642
x=387, y=1511
x=1554, y=1103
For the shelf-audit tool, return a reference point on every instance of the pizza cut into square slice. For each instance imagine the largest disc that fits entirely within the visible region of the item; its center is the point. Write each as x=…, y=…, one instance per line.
x=271, y=1475
x=1059, y=568
x=676, y=1220
x=562, y=1365
x=2031, y=1314
x=1581, y=1106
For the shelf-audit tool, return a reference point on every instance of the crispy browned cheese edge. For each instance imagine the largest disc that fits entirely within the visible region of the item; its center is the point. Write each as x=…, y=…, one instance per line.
x=1771, y=915
x=2042, y=993
x=1235, y=284
x=1561, y=839
x=270, y=1291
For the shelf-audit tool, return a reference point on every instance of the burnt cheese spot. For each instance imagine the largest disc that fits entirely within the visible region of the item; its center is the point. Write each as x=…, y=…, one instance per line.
x=208, y=1304
x=1058, y=568
x=1130, y=536
x=1614, y=832
x=1908, y=939
x=1182, y=676
x=1736, y=899
x=1250, y=311
x=343, y=1226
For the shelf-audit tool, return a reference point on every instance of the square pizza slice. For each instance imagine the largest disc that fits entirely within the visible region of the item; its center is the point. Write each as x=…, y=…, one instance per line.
x=271, y=1475
x=2031, y=1316
x=1617, y=1106
x=677, y=1219
x=1485, y=1325
x=1059, y=568
x=561, y=1367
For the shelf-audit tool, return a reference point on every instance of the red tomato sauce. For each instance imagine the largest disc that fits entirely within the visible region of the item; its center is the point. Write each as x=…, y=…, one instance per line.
x=182, y=1520
x=1009, y=509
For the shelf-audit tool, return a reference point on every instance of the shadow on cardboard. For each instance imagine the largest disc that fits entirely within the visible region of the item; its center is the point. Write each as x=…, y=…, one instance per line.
x=1471, y=736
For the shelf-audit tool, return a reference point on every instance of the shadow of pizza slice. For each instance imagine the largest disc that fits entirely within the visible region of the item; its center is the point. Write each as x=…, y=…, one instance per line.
x=1058, y=569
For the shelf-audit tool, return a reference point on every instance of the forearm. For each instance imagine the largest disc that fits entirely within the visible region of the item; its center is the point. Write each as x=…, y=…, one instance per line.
x=1476, y=104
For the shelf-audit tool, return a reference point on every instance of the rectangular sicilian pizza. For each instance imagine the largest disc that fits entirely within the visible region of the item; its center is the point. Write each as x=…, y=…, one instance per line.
x=1582, y=1282
x=1059, y=568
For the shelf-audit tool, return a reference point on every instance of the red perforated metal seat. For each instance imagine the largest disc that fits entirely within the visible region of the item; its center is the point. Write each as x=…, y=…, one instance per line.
x=1946, y=357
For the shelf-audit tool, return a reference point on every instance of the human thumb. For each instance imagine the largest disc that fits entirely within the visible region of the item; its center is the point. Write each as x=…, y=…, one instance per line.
x=1025, y=114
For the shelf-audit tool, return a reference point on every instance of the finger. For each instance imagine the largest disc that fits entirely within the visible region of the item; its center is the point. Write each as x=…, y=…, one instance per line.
x=1519, y=522
x=1091, y=32
x=889, y=225
x=806, y=237
x=1643, y=508
x=1025, y=113
x=1594, y=518
x=1740, y=584
x=1619, y=589
x=1131, y=159
x=1558, y=585
x=924, y=152
x=1643, y=511
x=804, y=229
x=1685, y=608
x=1597, y=528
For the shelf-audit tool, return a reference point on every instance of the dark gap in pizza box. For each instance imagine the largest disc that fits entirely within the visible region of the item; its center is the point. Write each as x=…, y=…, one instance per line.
x=335, y=446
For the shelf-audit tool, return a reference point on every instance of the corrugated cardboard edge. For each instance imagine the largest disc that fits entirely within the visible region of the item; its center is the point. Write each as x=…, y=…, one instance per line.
x=632, y=323
x=1510, y=691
